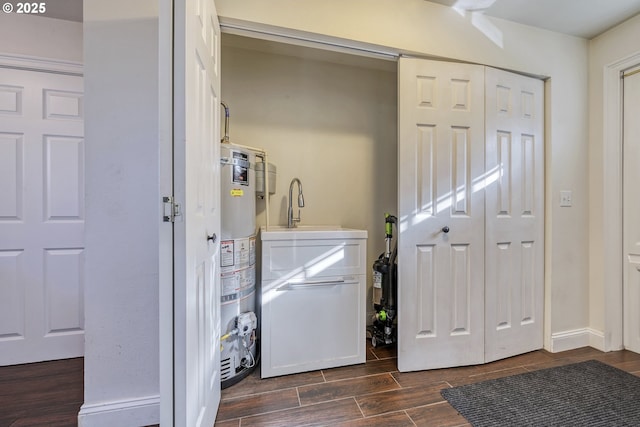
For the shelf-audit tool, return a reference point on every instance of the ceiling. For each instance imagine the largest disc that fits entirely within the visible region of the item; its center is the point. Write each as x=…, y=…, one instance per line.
x=582, y=18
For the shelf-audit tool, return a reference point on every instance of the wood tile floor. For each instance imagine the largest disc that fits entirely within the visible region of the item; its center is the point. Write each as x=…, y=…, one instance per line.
x=42, y=394
x=371, y=394
x=376, y=394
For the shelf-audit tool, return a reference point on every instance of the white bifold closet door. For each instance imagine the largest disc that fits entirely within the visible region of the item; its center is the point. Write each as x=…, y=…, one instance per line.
x=631, y=209
x=514, y=200
x=471, y=214
x=441, y=214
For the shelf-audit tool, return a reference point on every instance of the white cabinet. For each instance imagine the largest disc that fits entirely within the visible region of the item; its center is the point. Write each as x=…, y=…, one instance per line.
x=313, y=299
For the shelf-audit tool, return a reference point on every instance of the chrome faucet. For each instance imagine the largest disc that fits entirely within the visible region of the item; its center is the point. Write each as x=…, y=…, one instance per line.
x=291, y=221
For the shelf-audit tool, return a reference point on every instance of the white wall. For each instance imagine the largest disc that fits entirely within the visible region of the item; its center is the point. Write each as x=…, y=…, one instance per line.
x=331, y=124
x=27, y=35
x=122, y=214
x=605, y=228
x=434, y=30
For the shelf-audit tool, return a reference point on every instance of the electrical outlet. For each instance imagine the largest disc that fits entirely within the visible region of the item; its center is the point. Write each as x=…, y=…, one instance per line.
x=565, y=198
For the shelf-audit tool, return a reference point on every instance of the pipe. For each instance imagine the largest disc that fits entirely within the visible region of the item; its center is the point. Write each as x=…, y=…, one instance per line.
x=267, y=199
x=227, y=335
x=266, y=191
x=225, y=140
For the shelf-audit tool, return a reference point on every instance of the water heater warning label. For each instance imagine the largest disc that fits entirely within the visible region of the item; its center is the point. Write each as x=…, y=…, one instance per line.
x=237, y=267
x=240, y=168
x=237, y=253
x=226, y=253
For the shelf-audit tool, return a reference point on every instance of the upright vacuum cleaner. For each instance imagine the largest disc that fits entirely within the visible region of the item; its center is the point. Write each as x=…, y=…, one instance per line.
x=385, y=277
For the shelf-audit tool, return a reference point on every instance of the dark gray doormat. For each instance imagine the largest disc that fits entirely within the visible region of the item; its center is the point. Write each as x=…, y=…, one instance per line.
x=581, y=394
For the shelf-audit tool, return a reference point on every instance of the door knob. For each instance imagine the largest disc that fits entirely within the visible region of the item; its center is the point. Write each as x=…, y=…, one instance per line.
x=445, y=229
x=213, y=238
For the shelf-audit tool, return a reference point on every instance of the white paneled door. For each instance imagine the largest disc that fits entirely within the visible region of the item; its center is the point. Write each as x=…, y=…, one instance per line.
x=631, y=210
x=441, y=214
x=41, y=216
x=514, y=233
x=196, y=179
x=471, y=214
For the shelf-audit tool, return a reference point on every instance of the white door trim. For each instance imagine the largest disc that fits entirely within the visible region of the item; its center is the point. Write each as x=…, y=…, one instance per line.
x=165, y=234
x=35, y=63
x=630, y=210
x=612, y=201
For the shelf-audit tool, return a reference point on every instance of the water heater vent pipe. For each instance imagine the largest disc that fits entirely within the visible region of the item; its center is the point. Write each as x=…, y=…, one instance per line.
x=226, y=123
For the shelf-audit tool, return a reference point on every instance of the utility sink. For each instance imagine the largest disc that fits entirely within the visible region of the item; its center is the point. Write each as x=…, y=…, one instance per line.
x=313, y=293
x=311, y=232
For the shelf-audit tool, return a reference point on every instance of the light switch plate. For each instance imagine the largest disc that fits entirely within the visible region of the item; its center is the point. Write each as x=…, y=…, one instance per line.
x=565, y=198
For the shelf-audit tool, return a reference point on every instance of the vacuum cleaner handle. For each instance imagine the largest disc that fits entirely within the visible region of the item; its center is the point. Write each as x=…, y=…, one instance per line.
x=389, y=220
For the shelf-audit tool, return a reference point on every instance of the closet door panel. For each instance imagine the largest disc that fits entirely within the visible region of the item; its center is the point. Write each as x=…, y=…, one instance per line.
x=514, y=188
x=441, y=214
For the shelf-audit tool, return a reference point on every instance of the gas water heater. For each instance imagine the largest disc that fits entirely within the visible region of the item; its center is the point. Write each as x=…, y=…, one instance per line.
x=239, y=322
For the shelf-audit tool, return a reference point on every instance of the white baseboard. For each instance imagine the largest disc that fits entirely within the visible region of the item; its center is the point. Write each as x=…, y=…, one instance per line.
x=596, y=340
x=124, y=413
x=577, y=338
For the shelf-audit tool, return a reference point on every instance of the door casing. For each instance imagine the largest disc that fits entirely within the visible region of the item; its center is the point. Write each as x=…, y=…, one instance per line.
x=631, y=210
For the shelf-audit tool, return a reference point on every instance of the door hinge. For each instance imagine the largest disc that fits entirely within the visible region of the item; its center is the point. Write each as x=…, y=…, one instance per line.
x=171, y=209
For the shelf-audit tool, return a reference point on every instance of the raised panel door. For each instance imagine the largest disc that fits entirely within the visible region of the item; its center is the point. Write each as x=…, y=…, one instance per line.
x=441, y=214
x=41, y=216
x=196, y=177
x=514, y=188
